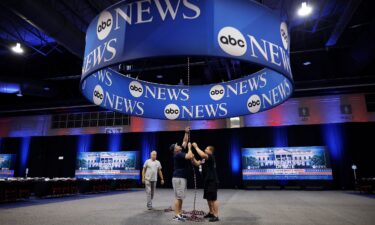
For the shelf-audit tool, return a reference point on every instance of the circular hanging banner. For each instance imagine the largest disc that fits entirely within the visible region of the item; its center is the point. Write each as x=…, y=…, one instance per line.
x=241, y=30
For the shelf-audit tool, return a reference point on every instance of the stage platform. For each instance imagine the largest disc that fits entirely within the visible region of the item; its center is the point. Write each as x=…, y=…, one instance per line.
x=237, y=207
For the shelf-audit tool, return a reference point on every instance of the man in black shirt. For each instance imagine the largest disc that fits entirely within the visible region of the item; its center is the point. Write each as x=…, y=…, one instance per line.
x=180, y=173
x=211, y=180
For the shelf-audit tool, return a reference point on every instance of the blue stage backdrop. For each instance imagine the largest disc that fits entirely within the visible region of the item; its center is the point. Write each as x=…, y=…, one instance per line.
x=286, y=163
x=7, y=162
x=107, y=165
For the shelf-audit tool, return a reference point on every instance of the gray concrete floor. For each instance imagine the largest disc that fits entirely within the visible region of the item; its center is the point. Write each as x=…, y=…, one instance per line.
x=237, y=207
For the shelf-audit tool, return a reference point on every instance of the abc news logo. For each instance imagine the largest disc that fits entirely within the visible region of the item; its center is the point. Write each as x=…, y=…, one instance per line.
x=104, y=25
x=229, y=40
x=136, y=89
x=172, y=111
x=217, y=92
x=232, y=41
x=254, y=104
x=98, y=95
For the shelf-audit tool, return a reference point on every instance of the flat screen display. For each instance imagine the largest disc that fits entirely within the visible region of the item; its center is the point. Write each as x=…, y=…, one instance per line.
x=7, y=162
x=286, y=163
x=108, y=165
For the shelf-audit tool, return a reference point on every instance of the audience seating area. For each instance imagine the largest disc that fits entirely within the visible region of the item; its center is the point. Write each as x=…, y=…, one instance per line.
x=21, y=189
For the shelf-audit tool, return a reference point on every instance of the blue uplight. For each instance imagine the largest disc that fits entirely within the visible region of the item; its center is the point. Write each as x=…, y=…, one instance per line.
x=25, y=147
x=280, y=137
x=9, y=88
x=84, y=143
x=235, y=154
x=333, y=138
x=148, y=145
x=114, y=142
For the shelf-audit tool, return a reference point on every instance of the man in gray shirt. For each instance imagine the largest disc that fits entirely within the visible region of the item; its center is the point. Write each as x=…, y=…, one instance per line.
x=151, y=169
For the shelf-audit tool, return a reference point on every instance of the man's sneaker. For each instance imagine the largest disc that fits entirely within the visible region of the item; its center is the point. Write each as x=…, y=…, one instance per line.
x=149, y=208
x=209, y=215
x=214, y=219
x=183, y=216
x=178, y=218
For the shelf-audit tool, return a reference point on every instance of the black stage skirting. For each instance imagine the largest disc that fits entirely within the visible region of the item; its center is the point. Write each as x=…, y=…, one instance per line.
x=18, y=189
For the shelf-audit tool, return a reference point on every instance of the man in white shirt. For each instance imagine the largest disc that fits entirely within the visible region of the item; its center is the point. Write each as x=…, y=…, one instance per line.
x=151, y=169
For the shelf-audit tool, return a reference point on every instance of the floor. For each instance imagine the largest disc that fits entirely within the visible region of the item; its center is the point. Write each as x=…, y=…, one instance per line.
x=237, y=207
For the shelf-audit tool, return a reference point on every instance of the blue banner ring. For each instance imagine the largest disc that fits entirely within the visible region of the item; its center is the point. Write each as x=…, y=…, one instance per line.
x=241, y=30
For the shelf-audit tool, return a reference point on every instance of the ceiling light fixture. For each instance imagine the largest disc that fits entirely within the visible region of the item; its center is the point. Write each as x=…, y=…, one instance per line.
x=17, y=49
x=305, y=10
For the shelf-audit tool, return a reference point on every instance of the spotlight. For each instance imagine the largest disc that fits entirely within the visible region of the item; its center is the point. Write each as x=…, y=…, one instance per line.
x=307, y=63
x=305, y=10
x=19, y=94
x=17, y=49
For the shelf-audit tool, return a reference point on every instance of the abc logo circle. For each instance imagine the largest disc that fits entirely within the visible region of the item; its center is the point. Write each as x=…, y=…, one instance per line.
x=104, y=25
x=98, y=95
x=232, y=41
x=136, y=89
x=172, y=111
x=284, y=35
x=217, y=92
x=253, y=104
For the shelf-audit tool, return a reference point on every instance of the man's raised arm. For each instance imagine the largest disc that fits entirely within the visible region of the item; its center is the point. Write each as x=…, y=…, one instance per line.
x=186, y=137
x=189, y=155
x=201, y=153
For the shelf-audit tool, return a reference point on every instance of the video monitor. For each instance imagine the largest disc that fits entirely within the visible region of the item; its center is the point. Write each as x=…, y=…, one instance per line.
x=286, y=163
x=108, y=165
x=7, y=162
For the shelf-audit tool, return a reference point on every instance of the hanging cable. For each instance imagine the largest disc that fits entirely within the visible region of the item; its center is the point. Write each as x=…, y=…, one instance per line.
x=189, y=123
x=195, y=215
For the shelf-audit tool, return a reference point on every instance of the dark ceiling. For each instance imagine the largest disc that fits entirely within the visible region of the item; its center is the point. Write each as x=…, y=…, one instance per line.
x=338, y=39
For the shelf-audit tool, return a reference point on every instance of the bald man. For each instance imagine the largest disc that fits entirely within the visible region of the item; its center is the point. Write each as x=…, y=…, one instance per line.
x=151, y=169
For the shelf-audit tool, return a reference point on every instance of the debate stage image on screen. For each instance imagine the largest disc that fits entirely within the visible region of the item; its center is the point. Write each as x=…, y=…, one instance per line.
x=286, y=163
x=107, y=165
x=7, y=162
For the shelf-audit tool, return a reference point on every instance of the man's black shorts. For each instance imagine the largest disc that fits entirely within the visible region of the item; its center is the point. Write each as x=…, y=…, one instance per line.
x=210, y=191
